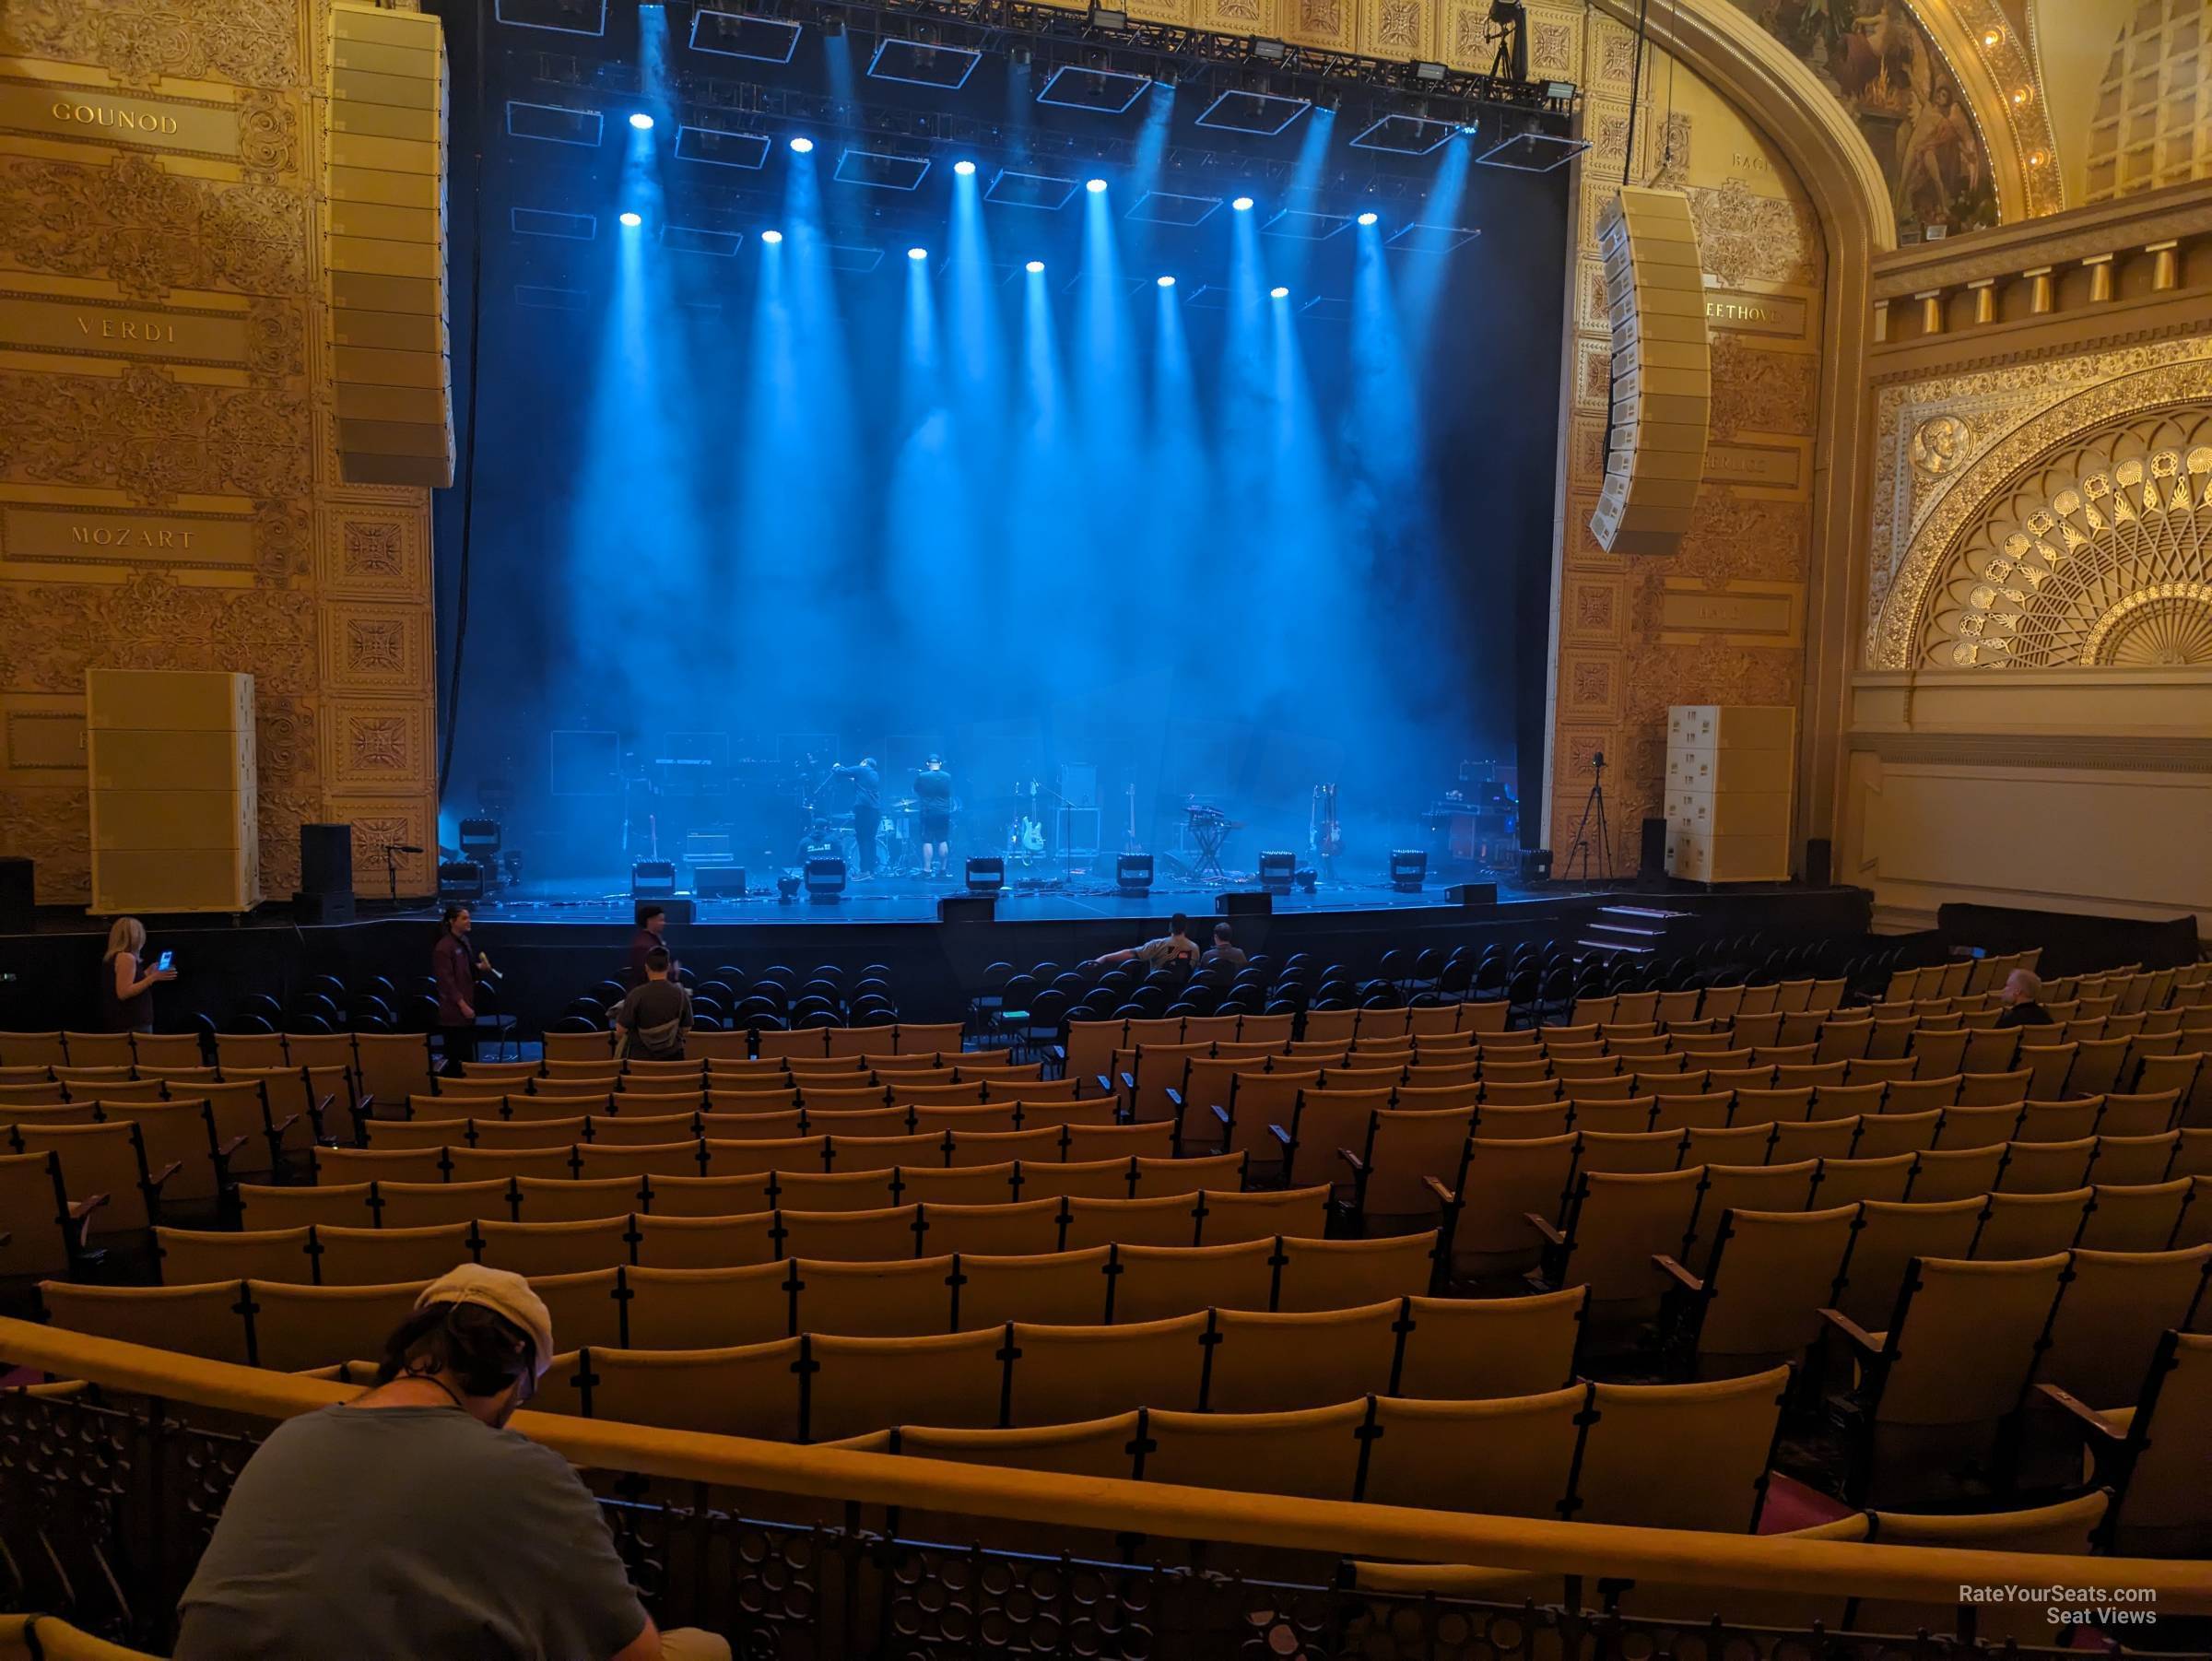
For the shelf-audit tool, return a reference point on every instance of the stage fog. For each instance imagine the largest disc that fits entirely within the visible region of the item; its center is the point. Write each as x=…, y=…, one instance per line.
x=1217, y=463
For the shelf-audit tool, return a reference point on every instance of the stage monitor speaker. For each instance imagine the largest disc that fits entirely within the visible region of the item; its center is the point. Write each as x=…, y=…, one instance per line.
x=1473, y=893
x=460, y=881
x=1244, y=905
x=652, y=878
x=321, y=910
x=1650, y=854
x=719, y=882
x=18, y=888
x=326, y=859
x=967, y=908
x=1819, y=861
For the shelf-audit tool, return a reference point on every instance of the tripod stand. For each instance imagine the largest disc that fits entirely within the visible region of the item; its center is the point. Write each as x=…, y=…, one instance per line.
x=1594, y=806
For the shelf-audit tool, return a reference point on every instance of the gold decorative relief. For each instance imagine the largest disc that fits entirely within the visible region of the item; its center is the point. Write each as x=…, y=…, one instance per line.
x=150, y=435
x=1939, y=444
x=2104, y=547
x=172, y=499
x=382, y=823
x=284, y=740
x=252, y=42
x=376, y=744
x=51, y=633
x=1761, y=391
x=1594, y=608
x=2019, y=415
x=52, y=827
x=375, y=648
x=149, y=231
x=1743, y=237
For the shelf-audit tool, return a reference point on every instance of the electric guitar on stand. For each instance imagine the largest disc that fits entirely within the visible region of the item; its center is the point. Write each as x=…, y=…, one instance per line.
x=1026, y=835
x=1324, y=834
x=1129, y=842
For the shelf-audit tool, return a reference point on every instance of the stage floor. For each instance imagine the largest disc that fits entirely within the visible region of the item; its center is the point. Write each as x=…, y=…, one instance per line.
x=911, y=900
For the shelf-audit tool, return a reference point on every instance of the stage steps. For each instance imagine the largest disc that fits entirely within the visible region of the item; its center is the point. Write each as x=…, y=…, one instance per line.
x=1630, y=930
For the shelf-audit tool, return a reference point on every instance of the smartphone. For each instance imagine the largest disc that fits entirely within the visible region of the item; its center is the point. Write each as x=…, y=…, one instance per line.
x=166, y=961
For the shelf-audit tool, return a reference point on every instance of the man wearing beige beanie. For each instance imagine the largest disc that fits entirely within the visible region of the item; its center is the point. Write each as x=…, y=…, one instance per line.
x=409, y=1524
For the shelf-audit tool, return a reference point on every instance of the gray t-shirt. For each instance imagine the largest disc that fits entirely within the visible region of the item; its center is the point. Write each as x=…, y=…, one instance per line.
x=1167, y=948
x=407, y=1534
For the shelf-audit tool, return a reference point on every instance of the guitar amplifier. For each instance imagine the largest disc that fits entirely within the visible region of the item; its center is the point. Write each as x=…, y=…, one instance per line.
x=1079, y=828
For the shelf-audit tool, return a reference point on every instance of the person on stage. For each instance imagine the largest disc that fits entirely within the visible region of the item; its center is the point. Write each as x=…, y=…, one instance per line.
x=868, y=788
x=933, y=789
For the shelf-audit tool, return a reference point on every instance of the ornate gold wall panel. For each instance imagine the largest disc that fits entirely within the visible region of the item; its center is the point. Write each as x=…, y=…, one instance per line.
x=170, y=494
x=1948, y=446
x=1722, y=620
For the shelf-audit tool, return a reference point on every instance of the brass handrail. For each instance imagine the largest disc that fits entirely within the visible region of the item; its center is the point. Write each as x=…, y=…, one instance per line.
x=1334, y=1528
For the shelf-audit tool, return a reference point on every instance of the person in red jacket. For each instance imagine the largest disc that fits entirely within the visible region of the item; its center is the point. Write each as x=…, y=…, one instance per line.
x=455, y=968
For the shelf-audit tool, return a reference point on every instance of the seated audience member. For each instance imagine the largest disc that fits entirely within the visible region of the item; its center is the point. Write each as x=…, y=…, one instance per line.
x=2018, y=995
x=1225, y=951
x=651, y=1019
x=1174, y=947
x=409, y=1522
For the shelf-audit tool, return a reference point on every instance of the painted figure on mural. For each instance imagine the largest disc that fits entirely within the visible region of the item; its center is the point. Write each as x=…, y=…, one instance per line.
x=1878, y=61
x=1939, y=159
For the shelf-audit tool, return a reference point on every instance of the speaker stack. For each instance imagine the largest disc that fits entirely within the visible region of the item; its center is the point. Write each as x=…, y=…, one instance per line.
x=1730, y=777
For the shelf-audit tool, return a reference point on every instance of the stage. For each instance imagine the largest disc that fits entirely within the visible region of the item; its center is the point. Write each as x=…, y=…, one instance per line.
x=548, y=948
x=1044, y=896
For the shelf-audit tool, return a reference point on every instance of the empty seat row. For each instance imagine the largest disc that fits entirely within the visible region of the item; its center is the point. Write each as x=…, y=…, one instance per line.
x=905, y=1038
x=709, y=1156
x=956, y=1065
x=1497, y=1347
x=1651, y=1455
x=413, y=1231
x=524, y=1122
x=1764, y=1277
x=534, y=1198
x=1505, y=1189
x=495, y=1096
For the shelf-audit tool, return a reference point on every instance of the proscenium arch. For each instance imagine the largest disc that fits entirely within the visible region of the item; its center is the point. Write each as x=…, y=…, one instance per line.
x=1817, y=136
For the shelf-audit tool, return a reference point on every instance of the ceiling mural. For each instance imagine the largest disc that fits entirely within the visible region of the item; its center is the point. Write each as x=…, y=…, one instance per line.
x=1878, y=60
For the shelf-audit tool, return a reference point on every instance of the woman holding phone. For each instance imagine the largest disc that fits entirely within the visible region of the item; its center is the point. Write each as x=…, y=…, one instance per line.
x=127, y=986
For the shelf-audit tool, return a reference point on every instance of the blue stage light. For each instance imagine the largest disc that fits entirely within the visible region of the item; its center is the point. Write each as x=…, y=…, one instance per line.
x=801, y=145
x=1034, y=267
x=772, y=236
x=1094, y=186
x=632, y=220
x=1242, y=205
x=917, y=253
x=1366, y=219
x=1278, y=292
x=643, y=121
x=965, y=169
x=1165, y=282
